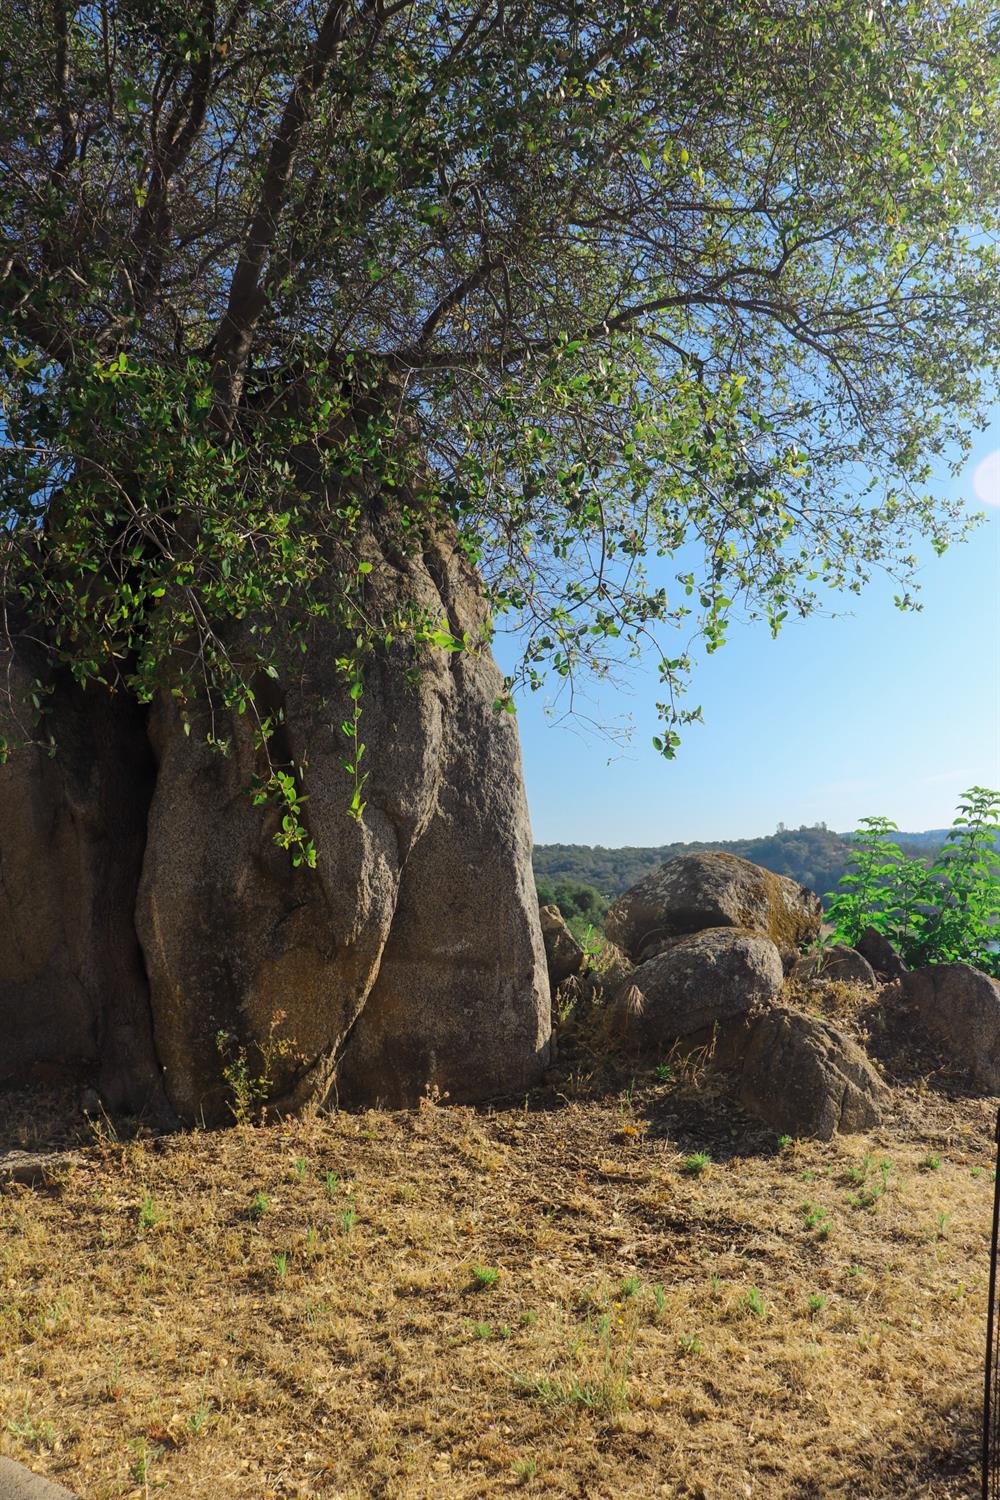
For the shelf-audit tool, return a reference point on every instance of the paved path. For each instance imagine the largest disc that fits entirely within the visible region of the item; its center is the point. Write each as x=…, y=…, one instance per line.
x=18, y=1483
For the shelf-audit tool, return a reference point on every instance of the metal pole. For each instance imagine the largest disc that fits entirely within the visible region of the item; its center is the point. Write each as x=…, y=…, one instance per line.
x=991, y=1394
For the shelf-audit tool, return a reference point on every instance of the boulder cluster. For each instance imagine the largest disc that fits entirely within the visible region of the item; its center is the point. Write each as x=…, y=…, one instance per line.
x=711, y=952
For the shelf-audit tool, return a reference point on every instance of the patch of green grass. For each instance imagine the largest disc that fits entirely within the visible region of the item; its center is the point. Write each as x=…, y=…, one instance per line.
x=484, y=1277
x=150, y=1213
x=754, y=1302
x=695, y=1164
x=607, y=1395
x=816, y=1220
x=37, y=1435
x=260, y=1203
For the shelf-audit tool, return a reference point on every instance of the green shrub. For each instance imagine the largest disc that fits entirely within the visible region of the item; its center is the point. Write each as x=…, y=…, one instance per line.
x=945, y=912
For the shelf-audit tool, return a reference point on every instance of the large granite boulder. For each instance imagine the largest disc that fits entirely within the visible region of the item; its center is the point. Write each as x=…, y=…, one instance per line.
x=73, y=993
x=563, y=954
x=803, y=1077
x=698, y=891
x=410, y=958
x=960, y=1007
x=19, y=1483
x=701, y=981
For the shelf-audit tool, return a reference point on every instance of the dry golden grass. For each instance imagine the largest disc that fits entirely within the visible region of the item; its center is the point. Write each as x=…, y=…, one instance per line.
x=798, y=1321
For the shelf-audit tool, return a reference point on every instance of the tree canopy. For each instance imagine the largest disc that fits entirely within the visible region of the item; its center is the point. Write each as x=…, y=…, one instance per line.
x=710, y=284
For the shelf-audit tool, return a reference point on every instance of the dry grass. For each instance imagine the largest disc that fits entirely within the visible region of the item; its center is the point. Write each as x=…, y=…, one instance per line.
x=798, y=1321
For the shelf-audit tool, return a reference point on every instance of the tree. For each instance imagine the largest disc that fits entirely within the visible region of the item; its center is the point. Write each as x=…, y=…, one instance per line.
x=708, y=284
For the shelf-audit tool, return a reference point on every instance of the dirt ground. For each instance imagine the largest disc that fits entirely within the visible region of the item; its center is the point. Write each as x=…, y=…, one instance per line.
x=616, y=1288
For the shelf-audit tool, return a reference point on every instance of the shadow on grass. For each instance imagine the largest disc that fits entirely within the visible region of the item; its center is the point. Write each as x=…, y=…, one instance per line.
x=940, y=1460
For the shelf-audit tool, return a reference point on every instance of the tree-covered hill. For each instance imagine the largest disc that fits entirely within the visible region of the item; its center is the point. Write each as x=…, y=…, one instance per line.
x=816, y=857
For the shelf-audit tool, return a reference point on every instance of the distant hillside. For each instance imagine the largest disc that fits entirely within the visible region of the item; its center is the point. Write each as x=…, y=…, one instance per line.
x=816, y=857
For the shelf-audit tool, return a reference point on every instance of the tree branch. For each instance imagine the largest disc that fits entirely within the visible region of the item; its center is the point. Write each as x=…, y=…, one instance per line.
x=246, y=297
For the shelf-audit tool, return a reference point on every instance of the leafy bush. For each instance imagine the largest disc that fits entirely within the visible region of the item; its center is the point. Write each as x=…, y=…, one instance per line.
x=942, y=912
x=583, y=908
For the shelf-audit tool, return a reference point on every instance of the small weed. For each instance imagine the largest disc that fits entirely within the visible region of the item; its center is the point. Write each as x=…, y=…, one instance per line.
x=252, y=1083
x=754, y=1302
x=280, y=1263
x=689, y=1343
x=785, y=1142
x=523, y=1470
x=36, y=1434
x=150, y=1213
x=943, y=1220
x=299, y=1167
x=348, y=1219
x=483, y=1277
x=199, y=1418
x=630, y=1287
x=664, y=1073
x=975, y=1171
x=816, y=1304
x=483, y=1330
x=695, y=1164
x=332, y=1184
x=529, y=1318
x=659, y=1299
x=144, y=1455
x=931, y=1163
x=816, y=1220
x=259, y=1205
x=869, y=1193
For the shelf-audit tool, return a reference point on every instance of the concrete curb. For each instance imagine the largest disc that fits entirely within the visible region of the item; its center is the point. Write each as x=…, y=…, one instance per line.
x=18, y=1483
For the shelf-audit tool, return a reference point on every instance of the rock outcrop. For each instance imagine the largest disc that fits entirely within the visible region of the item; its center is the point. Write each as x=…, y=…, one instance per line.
x=73, y=993
x=698, y=891
x=838, y=962
x=701, y=981
x=411, y=958
x=880, y=953
x=960, y=1007
x=563, y=954
x=803, y=1077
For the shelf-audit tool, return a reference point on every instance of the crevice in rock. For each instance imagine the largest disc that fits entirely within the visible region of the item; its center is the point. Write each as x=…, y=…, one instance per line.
x=121, y=786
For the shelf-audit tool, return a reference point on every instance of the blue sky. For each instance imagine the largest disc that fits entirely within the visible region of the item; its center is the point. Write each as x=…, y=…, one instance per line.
x=873, y=712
